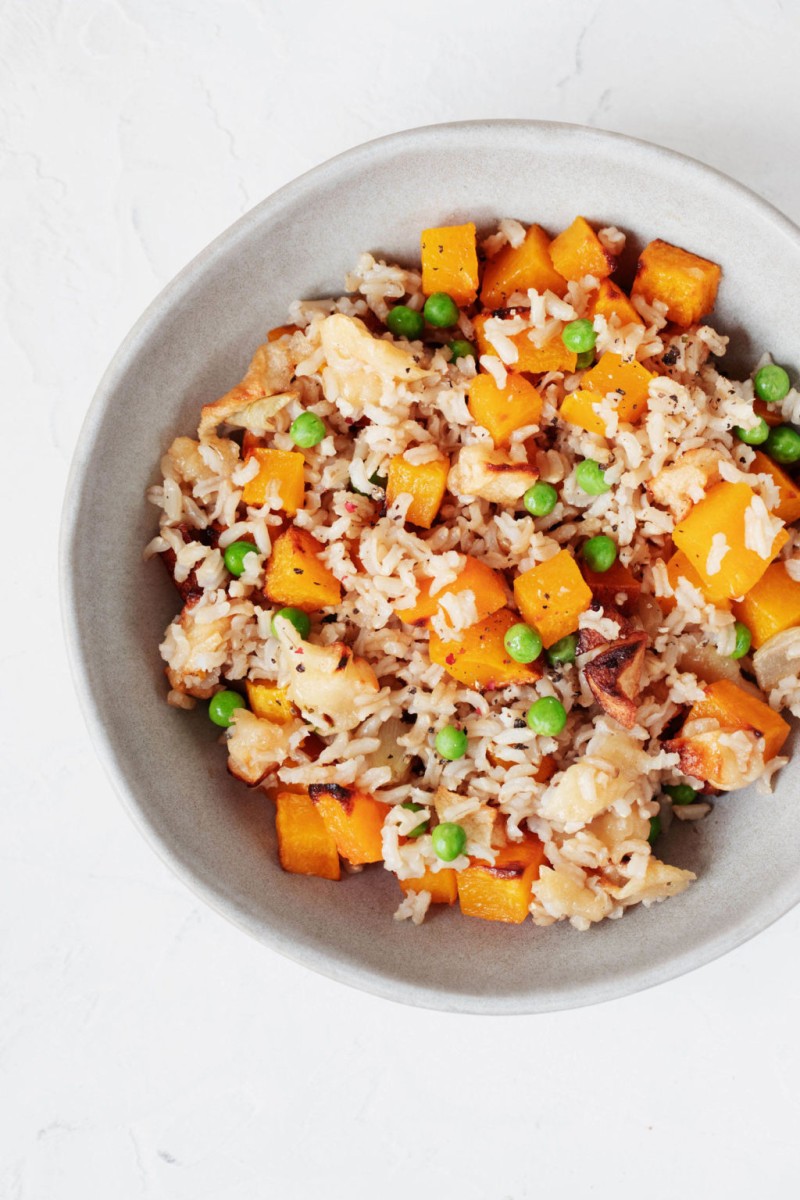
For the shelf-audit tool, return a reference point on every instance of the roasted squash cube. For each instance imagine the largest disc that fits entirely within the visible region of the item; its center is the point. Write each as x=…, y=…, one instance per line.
x=679, y=567
x=627, y=378
x=305, y=845
x=771, y=606
x=734, y=708
x=534, y=360
x=450, y=262
x=480, y=660
x=578, y=251
x=617, y=587
x=269, y=701
x=441, y=885
x=685, y=282
x=282, y=468
x=516, y=269
x=789, y=507
x=424, y=482
x=610, y=301
x=354, y=819
x=295, y=576
x=503, y=410
x=552, y=595
x=486, y=585
x=502, y=892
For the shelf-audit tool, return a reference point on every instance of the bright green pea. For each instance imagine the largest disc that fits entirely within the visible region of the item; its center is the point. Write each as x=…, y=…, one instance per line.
x=547, y=716
x=540, y=499
x=296, y=617
x=586, y=359
x=599, y=553
x=755, y=436
x=307, y=430
x=783, y=444
x=655, y=829
x=451, y=743
x=461, y=348
x=441, y=310
x=680, y=793
x=405, y=322
x=563, y=651
x=771, y=383
x=449, y=840
x=591, y=477
x=743, y=640
x=579, y=336
x=418, y=830
x=235, y=554
x=223, y=705
x=523, y=644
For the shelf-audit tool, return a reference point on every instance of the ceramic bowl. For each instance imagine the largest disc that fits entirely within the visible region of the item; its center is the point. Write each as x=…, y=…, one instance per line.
x=192, y=345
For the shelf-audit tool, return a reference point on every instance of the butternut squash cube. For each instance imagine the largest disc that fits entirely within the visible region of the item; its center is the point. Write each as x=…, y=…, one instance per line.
x=518, y=269
x=282, y=467
x=441, y=885
x=503, y=410
x=679, y=567
x=771, y=413
x=296, y=577
x=534, y=360
x=552, y=595
x=614, y=374
x=771, y=606
x=354, y=819
x=269, y=701
x=280, y=331
x=722, y=510
x=486, y=585
x=450, y=262
x=305, y=846
x=480, y=660
x=789, y=507
x=735, y=708
x=578, y=251
x=424, y=482
x=608, y=586
x=502, y=892
x=610, y=301
x=685, y=282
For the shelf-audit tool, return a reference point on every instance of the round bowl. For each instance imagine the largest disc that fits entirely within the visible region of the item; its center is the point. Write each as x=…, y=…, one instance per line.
x=192, y=345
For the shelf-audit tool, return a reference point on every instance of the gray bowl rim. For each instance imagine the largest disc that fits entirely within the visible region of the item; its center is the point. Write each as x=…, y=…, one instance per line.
x=625, y=982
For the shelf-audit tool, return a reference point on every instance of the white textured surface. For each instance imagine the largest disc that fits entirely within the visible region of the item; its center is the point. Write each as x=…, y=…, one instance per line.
x=146, y=1047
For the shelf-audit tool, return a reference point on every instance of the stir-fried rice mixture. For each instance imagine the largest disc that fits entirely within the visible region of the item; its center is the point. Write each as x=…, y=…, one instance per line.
x=489, y=572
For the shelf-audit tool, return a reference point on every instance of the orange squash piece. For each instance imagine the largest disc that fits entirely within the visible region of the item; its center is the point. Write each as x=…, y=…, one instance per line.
x=608, y=585
x=503, y=410
x=424, y=482
x=610, y=301
x=518, y=269
x=441, y=885
x=480, y=660
x=789, y=507
x=284, y=467
x=281, y=331
x=295, y=576
x=685, y=282
x=533, y=360
x=354, y=819
x=547, y=769
x=305, y=846
x=486, y=585
x=627, y=384
x=269, y=701
x=578, y=251
x=450, y=262
x=771, y=606
x=722, y=510
x=679, y=567
x=502, y=892
x=735, y=708
x=251, y=442
x=771, y=413
x=552, y=595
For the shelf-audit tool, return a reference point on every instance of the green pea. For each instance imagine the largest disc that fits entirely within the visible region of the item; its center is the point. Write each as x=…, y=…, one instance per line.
x=540, y=499
x=523, y=644
x=586, y=359
x=307, y=430
x=783, y=444
x=449, y=840
x=461, y=348
x=418, y=830
x=579, y=336
x=547, y=716
x=380, y=481
x=599, y=553
x=296, y=617
x=743, y=640
x=755, y=436
x=235, y=554
x=655, y=829
x=223, y=705
x=563, y=651
x=451, y=743
x=771, y=383
x=405, y=322
x=441, y=310
x=591, y=477
x=680, y=793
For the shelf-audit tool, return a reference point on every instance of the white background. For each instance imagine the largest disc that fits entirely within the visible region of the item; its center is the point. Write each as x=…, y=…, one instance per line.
x=146, y=1047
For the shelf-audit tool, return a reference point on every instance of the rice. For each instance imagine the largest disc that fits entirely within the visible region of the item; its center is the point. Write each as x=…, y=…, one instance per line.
x=365, y=695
